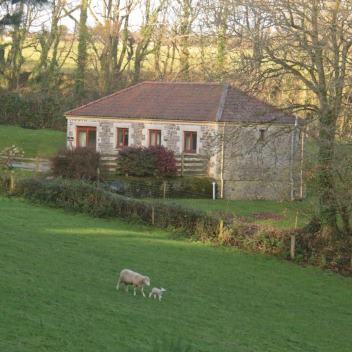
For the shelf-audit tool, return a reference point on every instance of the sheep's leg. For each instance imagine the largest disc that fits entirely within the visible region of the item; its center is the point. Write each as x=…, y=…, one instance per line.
x=118, y=284
x=142, y=292
x=159, y=298
x=126, y=287
x=134, y=291
x=150, y=294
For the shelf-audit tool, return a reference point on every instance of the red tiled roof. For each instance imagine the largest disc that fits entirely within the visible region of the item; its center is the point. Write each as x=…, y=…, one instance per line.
x=183, y=101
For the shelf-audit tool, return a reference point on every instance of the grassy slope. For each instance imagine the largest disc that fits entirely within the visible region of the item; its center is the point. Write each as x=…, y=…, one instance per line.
x=58, y=272
x=43, y=143
x=250, y=210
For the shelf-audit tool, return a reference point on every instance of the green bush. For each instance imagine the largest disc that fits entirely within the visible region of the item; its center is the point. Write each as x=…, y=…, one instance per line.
x=151, y=161
x=152, y=187
x=79, y=163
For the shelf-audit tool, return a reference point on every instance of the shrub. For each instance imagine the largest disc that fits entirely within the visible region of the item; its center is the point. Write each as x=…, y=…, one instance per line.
x=151, y=161
x=9, y=154
x=79, y=163
x=164, y=161
x=136, y=161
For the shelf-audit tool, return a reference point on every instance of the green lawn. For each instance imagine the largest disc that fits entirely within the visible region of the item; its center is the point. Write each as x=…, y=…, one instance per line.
x=57, y=291
x=42, y=143
x=278, y=214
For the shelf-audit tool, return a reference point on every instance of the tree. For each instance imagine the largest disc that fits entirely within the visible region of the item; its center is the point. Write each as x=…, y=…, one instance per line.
x=111, y=42
x=17, y=16
x=82, y=51
x=149, y=25
x=310, y=41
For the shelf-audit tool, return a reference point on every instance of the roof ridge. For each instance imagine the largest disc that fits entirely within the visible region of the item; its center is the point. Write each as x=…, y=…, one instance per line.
x=222, y=102
x=183, y=82
x=103, y=98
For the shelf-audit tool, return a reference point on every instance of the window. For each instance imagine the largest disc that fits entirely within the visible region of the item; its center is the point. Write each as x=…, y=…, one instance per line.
x=190, y=142
x=122, y=137
x=262, y=135
x=154, y=137
x=86, y=137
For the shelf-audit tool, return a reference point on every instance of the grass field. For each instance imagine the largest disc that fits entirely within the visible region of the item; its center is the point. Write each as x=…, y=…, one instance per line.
x=42, y=143
x=278, y=214
x=57, y=291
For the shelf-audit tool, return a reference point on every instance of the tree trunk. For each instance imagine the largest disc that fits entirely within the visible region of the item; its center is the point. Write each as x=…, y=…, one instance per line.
x=82, y=51
x=327, y=201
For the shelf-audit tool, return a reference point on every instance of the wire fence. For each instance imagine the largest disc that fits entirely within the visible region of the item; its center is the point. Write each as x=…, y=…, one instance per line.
x=178, y=187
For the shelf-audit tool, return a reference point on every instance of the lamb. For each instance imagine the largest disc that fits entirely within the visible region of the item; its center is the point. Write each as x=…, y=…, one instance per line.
x=129, y=277
x=157, y=292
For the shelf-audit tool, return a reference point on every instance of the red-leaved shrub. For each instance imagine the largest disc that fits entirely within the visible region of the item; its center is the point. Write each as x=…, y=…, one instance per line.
x=79, y=163
x=164, y=161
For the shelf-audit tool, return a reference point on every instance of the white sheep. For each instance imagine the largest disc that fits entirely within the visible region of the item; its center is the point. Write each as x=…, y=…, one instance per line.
x=129, y=277
x=157, y=293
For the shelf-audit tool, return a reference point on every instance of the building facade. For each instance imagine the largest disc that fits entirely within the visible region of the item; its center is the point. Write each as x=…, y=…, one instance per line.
x=251, y=149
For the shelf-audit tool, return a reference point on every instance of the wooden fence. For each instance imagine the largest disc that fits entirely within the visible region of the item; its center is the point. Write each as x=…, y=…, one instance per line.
x=30, y=164
x=187, y=164
x=192, y=164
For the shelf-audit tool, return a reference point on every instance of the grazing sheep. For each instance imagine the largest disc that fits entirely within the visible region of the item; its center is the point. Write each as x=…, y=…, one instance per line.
x=129, y=277
x=157, y=293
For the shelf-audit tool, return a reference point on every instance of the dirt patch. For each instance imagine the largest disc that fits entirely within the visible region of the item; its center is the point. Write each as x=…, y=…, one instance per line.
x=267, y=216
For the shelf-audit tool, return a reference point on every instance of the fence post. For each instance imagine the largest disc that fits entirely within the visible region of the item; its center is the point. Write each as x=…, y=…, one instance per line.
x=37, y=165
x=182, y=164
x=221, y=229
x=12, y=182
x=153, y=215
x=214, y=190
x=98, y=176
x=293, y=247
x=164, y=189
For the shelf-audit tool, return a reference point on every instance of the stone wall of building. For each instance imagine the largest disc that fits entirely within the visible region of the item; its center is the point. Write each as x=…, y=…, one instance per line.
x=251, y=163
x=258, y=165
x=172, y=134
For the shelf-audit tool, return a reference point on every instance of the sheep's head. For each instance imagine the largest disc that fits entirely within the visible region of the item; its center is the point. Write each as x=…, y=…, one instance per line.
x=162, y=290
x=146, y=281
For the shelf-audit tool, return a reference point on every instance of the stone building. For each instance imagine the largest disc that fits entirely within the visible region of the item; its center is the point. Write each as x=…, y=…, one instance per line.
x=250, y=148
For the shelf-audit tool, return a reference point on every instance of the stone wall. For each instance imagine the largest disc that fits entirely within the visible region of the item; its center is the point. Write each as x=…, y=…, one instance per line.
x=251, y=168
x=172, y=134
x=260, y=169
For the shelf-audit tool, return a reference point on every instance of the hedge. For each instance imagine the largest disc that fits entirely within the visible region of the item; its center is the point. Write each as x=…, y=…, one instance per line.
x=87, y=198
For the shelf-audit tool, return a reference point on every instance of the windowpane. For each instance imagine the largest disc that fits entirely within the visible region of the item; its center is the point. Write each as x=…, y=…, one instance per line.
x=190, y=142
x=126, y=137
x=194, y=142
x=86, y=137
x=92, y=138
x=122, y=137
x=82, y=138
x=154, y=137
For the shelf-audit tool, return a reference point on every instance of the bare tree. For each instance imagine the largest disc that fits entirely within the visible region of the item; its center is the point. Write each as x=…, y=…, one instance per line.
x=111, y=41
x=310, y=41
